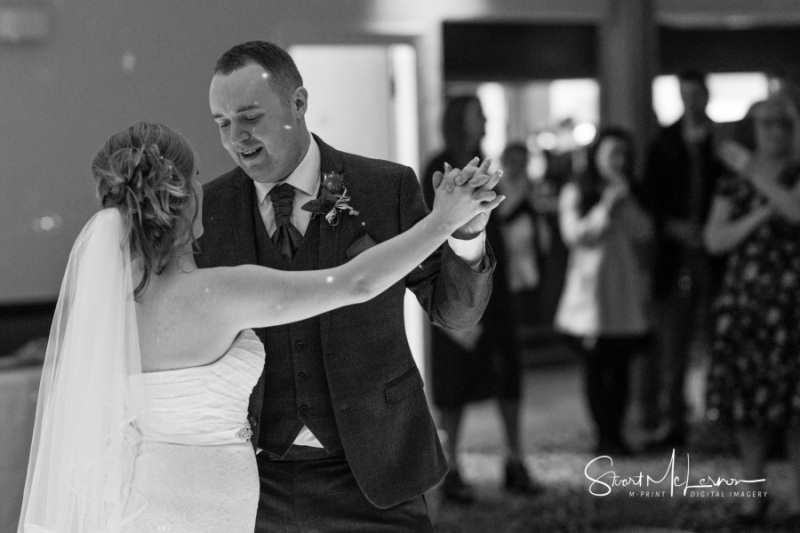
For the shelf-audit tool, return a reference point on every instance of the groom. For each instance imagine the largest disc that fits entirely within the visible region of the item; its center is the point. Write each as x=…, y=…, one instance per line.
x=345, y=437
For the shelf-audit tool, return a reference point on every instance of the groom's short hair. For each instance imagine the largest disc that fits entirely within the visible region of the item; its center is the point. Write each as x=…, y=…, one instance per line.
x=275, y=60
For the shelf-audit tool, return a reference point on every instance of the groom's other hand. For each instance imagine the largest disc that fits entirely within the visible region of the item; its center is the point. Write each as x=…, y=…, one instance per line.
x=479, y=179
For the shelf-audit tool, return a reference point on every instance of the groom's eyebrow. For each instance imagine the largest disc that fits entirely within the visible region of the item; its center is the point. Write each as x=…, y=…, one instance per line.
x=238, y=110
x=245, y=108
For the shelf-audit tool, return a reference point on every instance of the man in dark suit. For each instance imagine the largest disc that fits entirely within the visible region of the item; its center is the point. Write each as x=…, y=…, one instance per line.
x=340, y=420
x=679, y=181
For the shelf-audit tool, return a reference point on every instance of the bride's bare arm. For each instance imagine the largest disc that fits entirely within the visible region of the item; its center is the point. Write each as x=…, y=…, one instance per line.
x=253, y=296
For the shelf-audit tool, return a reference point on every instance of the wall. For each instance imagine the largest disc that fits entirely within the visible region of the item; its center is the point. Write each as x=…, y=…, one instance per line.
x=63, y=96
x=726, y=13
x=109, y=63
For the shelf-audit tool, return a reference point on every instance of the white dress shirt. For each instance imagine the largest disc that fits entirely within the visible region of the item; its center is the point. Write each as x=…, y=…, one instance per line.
x=305, y=178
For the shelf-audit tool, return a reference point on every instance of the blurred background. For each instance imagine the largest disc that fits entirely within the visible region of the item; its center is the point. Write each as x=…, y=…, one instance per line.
x=547, y=73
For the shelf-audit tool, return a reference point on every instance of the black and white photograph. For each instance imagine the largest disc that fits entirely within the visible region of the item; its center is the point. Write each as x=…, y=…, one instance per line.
x=447, y=266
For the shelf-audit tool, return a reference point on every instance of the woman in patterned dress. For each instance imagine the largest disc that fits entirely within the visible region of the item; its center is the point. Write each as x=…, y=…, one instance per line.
x=754, y=381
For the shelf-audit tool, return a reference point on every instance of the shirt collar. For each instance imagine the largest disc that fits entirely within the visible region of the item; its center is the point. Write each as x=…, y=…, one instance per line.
x=305, y=176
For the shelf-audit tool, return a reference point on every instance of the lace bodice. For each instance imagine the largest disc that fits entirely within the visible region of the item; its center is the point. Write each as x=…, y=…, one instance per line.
x=204, y=405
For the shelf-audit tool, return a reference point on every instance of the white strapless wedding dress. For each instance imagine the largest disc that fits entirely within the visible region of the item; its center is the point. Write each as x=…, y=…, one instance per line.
x=196, y=467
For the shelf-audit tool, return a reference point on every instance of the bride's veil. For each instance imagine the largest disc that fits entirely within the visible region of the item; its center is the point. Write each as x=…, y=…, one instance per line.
x=84, y=440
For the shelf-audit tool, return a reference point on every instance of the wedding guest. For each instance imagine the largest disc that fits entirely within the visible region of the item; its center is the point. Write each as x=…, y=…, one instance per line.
x=681, y=171
x=755, y=223
x=484, y=362
x=557, y=174
x=346, y=439
x=525, y=235
x=605, y=306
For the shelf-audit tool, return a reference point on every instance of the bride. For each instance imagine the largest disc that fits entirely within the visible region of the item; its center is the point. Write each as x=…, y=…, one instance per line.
x=141, y=423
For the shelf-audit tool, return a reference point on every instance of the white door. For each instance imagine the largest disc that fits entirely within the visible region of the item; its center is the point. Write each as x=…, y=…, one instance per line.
x=363, y=99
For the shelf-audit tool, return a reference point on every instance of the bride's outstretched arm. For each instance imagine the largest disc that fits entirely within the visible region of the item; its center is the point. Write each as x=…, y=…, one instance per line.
x=253, y=296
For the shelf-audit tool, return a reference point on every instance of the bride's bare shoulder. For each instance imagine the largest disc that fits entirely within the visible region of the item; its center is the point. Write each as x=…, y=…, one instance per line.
x=221, y=288
x=221, y=281
x=187, y=320
x=205, y=286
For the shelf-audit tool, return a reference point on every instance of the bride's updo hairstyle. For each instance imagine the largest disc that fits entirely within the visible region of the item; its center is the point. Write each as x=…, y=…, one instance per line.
x=146, y=172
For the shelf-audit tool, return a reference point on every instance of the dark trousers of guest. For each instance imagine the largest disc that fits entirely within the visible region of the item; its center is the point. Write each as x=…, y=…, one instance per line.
x=311, y=492
x=682, y=317
x=606, y=373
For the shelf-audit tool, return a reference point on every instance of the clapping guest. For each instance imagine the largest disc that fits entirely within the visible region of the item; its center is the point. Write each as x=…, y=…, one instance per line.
x=605, y=306
x=755, y=220
x=523, y=228
x=482, y=363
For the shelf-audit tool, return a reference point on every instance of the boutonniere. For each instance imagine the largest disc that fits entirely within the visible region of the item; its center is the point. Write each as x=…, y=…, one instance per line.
x=332, y=199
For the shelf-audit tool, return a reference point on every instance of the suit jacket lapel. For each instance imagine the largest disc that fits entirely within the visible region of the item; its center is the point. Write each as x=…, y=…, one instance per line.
x=328, y=237
x=242, y=205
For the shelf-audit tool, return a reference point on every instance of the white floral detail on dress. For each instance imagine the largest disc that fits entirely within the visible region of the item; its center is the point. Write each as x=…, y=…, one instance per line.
x=246, y=432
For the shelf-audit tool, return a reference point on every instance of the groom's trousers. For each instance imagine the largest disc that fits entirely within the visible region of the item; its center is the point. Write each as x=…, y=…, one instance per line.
x=310, y=491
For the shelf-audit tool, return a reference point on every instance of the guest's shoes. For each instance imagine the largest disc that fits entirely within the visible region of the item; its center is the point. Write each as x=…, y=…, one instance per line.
x=756, y=516
x=455, y=490
x=518, y=481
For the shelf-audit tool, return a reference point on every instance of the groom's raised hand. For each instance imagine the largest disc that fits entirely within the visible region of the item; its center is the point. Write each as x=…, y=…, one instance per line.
x=481, y=181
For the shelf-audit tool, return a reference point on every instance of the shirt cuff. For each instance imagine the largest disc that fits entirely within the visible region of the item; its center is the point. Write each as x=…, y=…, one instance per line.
x=471, y=251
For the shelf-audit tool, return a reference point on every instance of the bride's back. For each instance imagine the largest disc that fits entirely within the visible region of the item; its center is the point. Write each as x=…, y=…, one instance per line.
x=178, y=325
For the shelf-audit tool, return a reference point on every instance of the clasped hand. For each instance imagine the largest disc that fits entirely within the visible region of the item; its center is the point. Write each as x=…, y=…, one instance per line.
x=477, y=177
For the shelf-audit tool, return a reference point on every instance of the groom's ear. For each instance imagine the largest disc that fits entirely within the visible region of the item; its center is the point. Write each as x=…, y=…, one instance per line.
x=300, y=101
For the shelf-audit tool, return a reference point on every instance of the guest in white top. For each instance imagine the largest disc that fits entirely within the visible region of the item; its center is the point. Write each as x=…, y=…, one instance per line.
x=605, y=305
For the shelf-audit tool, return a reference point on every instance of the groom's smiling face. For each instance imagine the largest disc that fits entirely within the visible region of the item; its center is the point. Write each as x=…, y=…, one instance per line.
x=262, y=128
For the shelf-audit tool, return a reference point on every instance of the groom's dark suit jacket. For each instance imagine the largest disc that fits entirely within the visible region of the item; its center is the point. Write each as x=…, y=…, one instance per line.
x=375, y=390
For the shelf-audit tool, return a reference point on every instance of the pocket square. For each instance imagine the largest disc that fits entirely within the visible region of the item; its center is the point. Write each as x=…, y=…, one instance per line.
x=364, y=242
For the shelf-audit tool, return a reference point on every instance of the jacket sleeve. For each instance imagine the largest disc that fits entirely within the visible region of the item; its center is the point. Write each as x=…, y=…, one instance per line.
x=452, y=294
